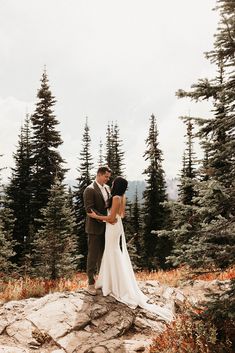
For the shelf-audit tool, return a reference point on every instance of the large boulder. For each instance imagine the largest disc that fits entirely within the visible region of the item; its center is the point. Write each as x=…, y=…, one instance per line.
x=76, y=322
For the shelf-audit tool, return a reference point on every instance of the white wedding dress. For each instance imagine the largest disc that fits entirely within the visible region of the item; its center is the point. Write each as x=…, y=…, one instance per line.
x=116, y=276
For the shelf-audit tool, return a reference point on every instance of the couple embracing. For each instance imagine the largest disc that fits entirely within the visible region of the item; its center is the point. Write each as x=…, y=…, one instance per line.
x=105, y=209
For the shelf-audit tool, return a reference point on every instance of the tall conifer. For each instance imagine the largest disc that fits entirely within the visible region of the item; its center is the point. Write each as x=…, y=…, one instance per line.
x=137, y=229
x=114, y=153
x=7, y=243
x=101, y=157
x=84, y=179
x=19, y=192
x=214, y=207
x=46, y=159
x=6, y=226
x=154, y=215
x=187, y=178
x=55, y=244
x=6, y=250
x=118, y=153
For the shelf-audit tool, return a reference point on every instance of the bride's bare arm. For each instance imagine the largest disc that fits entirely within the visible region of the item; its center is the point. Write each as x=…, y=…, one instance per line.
x=111, y=218
x=123, y=206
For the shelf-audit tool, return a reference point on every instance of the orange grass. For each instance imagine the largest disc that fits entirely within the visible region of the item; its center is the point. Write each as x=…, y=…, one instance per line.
x=187, y=335
x=172, y=277
x=36, y=287
x=21, y=288
x=222, y=276
x=179, y=275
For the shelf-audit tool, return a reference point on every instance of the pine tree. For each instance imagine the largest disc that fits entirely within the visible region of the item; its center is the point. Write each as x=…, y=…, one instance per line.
x=188, y=175
x=109, y=146
x=215, y=240
x=154, y=214
x=205, y=171
x=129, y=233
x=101, y=158
x=84, y=179
x=19, y=192
x=212, y=242
x=218, y=136
x=114, y=152
x=71, y=199
x=118, y=154
x=55, y=244
x=136, y=224
x=6, y=241
x=6, y=251
x=220, y=129
x=46, y=159
x=7, y=217
x=133, y=231
x=181, y=213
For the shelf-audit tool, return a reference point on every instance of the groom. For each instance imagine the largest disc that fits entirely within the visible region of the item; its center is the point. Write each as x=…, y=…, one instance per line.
x=96, y=197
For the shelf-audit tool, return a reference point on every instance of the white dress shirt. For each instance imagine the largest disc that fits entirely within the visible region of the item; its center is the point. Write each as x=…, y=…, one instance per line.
x=104, y=190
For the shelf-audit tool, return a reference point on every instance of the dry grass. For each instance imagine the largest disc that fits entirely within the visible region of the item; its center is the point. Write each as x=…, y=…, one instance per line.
x=190, y=335
x=21, y=288
x=171, y=278
x=178, y=276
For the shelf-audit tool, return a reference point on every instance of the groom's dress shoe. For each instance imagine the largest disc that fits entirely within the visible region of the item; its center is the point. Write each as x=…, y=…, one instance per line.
x=91, y=289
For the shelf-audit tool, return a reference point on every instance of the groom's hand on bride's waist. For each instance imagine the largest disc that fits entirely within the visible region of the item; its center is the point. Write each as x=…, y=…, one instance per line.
x=113, y=222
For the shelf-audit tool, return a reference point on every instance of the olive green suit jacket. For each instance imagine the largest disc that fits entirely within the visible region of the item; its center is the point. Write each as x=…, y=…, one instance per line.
x=93, y=199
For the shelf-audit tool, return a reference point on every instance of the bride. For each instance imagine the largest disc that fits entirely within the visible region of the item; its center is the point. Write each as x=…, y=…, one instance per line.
x=116, y=276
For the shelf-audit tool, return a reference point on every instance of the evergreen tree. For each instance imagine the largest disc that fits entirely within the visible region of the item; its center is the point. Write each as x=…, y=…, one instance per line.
x=219, y=310
x=217, y=134
x=7, y=217
x=71, y=199
x=220, y=129
x=109, y=146
x=55, y=244
x=136, y=224
x=46, y=159
x=6, y=251
x=212, y=240
x=202, y=236
x=84, y=179
x=186, y=187
x=6, y=227
x=118, y=154
x=130, y=235
x=205, y=171
x=7, y=243
x=154, y=214
x=19, y=192
x=133, y=231
x=101, y=158
x=114, y=152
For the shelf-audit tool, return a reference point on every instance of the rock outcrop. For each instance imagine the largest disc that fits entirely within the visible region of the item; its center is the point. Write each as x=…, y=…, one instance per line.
x=75, y=322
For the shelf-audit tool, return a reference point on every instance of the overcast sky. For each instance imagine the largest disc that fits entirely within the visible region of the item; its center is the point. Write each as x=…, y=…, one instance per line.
x=108, y=60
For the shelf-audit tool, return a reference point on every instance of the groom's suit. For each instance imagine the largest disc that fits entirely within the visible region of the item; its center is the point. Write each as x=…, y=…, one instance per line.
x=94, y=199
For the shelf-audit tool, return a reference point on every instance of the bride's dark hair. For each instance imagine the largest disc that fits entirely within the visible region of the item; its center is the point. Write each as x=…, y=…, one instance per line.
x=119, y=187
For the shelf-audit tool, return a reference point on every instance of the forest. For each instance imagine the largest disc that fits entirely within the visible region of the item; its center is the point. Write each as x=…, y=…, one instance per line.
x=42, y=220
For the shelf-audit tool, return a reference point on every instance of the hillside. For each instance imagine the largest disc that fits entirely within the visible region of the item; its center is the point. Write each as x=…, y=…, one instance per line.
x=172, y=189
